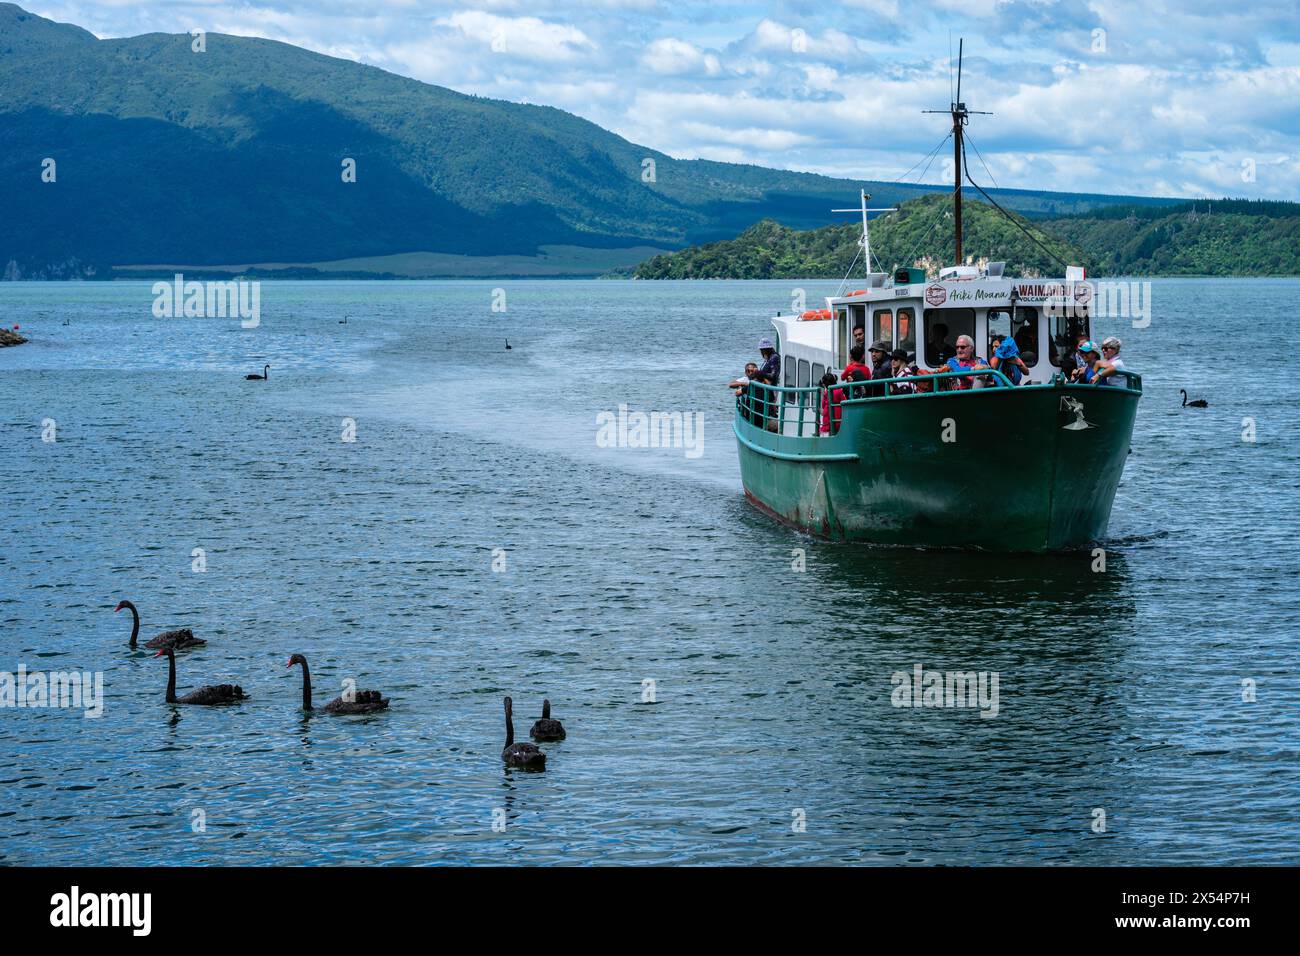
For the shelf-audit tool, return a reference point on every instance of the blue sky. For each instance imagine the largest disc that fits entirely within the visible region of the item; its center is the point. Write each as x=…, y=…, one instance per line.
x=1191, y=98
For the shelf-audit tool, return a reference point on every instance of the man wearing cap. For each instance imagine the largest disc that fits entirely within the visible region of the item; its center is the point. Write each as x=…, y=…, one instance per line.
x=880, y=364
x=1110, y=370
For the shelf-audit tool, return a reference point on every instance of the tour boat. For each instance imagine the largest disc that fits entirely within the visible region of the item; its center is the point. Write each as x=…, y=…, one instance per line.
x=996, y=466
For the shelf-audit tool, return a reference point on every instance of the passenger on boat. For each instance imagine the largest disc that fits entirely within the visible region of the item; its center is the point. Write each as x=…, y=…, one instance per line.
x=751, y=369
x=1005, y=357
x=1068, y=365
x=857, y=371
x=831, y=397
x=771, y=367
x=1082, y=362
x=964, y=359
x=1112, y=366
x=898, y=368
x=860, y=335
x=769, y=373
x=1091, y=362
x=937, y=350
x=880, y=366
x=740, y=388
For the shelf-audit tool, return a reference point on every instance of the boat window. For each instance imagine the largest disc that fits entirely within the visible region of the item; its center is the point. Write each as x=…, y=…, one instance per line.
x=943, y=326
x=789, y=371
x=859, y=314
x=905, y=334
x=883, y=327
x=1066, y=326
x=1023, y=330
x=818, y=371
x=803, y=373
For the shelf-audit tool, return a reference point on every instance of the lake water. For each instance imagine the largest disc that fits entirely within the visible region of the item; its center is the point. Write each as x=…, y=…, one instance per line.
x=770, y=738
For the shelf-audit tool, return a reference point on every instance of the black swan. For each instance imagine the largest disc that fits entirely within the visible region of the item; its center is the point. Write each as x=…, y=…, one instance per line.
x=508, y=345
x=266, y=373
x=526, y=756
x=181, y=638
x=212, y=694
x=547, y=729
x=1198, y=403
x=366, y=701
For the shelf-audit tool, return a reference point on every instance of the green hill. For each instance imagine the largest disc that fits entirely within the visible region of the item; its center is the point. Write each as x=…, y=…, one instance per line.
x=1220, y=238
x=1223, y=238
x=919, y=232
x=169, y=156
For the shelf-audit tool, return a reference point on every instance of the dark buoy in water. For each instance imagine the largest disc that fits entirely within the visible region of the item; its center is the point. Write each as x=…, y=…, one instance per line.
x=1197, y=403
x=266, y=373
x=508, y=345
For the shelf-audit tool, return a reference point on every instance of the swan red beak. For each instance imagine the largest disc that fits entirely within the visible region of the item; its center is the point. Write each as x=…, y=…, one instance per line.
x=161, y=653
x=118, y=608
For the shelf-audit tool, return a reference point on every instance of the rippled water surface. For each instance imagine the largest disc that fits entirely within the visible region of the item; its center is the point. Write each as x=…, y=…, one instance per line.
x=1120, y=690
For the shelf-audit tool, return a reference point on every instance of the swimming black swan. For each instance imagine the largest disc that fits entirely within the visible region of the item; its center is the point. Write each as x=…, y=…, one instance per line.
x=526, y=756
x=366, y=701
x=266, y=373
x=182, y=638
x=212, y=694
x=508, y=345
x=1198, y=403
x=547, y=729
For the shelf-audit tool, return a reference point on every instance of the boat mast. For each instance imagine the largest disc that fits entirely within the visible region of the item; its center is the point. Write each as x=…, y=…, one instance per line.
x=960, y=115
x=958, y=110
x=866, y=230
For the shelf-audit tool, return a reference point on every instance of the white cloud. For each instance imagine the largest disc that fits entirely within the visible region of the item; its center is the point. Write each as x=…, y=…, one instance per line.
x=526, y=37
x=669, y=56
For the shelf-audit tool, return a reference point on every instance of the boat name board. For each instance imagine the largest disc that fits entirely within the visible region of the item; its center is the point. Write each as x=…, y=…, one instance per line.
x=937, y=294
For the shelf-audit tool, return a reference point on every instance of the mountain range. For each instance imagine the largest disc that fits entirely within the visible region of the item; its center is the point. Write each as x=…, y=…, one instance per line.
x=236, y=155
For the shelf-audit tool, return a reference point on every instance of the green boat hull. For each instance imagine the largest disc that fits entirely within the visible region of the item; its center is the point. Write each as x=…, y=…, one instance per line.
x=1024, y=469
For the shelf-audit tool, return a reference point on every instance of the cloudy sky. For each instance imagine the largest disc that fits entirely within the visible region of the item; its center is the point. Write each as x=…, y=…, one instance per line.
x=1165, y=97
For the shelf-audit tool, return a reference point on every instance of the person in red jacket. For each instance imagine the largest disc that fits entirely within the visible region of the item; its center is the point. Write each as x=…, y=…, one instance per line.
x=857, y=370
x=831, y=399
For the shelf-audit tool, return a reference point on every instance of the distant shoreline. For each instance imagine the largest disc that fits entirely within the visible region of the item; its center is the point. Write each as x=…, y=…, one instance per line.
x=205, y=275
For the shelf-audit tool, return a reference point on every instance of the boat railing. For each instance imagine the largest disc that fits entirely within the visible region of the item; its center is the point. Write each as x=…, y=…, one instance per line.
x=795, y=411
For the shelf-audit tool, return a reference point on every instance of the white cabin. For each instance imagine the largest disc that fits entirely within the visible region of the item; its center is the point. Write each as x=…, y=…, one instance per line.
x=905, y=310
